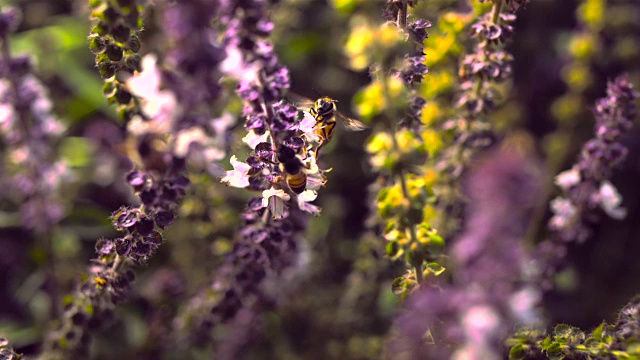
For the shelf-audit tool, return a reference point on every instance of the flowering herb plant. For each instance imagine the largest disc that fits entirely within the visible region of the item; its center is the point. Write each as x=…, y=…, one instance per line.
x=172, y=190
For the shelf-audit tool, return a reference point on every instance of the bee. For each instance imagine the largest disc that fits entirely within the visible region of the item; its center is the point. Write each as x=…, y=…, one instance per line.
x=292, y=166
x=326, y=114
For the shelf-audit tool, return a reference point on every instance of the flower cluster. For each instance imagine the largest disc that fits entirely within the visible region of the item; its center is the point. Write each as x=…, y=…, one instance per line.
x=471, y=317
x=282, y=166
x=587, y=191
x=479, y=72
x=263, y=250
x=400, y=148
x=586, y=185
x=29, y=132
x=115, y=40
x=283, y=161
x=164, y=134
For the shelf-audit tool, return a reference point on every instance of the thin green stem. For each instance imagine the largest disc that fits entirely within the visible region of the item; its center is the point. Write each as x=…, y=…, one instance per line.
x=402, y=15
x=495, y=11
x=419, y=276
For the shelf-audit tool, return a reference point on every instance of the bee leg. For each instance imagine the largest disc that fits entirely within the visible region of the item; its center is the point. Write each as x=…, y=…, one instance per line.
x=318, y=149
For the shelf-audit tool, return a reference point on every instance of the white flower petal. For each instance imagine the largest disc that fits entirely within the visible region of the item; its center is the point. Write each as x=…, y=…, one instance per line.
x=238, y=176
x=186, y=137
x=304, y=200
x=610, y=201
x=252, y=139
x=568, y=178
x=307, y=126
x=275, y=200
x=146, y=83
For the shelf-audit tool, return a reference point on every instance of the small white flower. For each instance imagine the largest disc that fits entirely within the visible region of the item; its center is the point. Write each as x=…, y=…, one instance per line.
x=146, y=83
x=234, y=66
x=156, y=104
x=186, y=137
x=223, y=123
x=307, y=126
x=7, y=118
x=238, y=176
x=610, y=201
x=564, y=213
x=568, y=178
x=275, y=200
x=523, y=305
x=252, y=139
x=304, y=200
x=480, y=323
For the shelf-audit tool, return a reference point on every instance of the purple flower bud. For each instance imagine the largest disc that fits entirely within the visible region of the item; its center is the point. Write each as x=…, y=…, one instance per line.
x=136, y=178
x=164, y=219
x=264, y=150
x=145, y=225
x=127, y=219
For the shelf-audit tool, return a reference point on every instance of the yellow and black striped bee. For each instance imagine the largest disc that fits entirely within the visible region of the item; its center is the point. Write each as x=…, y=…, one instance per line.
x=326, y=114
x=292, y=167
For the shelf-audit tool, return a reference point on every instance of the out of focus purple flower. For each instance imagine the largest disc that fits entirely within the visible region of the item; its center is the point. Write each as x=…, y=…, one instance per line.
x=502, y=192
x=471, y=318
x=33, y=175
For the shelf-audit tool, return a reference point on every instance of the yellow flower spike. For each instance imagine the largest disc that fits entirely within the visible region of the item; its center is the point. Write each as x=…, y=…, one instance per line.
x=566, y=107
x=396, y=87
x=432, y=141
x=430, y=113
x=592, y=14
x=369, y=101
x=406, y=140
x=429, y=213
x=582, y=46
x=379, y=142
x=359, y=41
x=389, y=35
x=577, y=76
x=436, y=83
x=345, y=6
x=454, y=22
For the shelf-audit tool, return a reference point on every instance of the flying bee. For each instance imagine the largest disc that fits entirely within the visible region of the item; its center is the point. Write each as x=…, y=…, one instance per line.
x=326, y=114
x=293, y=168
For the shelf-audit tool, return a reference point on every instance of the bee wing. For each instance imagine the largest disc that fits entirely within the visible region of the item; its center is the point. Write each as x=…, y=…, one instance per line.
x=301, y=102
x=350, y=123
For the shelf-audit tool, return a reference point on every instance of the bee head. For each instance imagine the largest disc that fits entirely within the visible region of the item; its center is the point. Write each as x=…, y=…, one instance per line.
x=325, y=104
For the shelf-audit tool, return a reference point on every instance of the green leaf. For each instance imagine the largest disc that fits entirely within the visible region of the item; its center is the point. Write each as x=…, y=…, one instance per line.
x=517, y=352
x=392, y=248
x=597, y=332
x=76, y=151
x=562, y=330
x=554, y=352
x=434, y=268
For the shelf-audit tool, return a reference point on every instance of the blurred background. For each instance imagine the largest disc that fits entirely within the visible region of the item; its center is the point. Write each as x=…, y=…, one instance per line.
x=565, y=51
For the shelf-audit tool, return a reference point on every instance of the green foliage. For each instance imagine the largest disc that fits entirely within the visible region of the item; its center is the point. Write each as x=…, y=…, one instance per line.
x=618, y=341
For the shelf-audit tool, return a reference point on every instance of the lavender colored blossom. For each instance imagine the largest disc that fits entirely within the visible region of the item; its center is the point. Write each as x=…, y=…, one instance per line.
x=30, y=131
x=471, y=317
x=502, y=191
x=280, y=140
x=174, y=122
x=586, y=186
